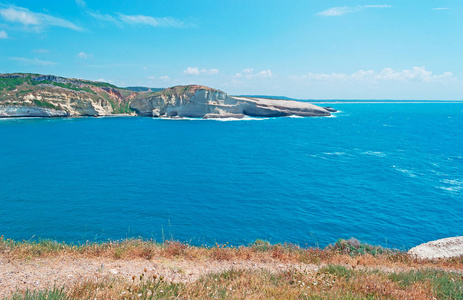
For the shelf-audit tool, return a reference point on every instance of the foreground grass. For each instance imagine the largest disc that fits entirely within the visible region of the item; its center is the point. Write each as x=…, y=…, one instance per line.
x=330, y=282
x=346, y=270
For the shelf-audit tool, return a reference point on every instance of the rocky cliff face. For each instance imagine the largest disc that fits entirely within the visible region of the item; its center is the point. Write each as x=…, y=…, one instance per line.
x=185, y=101
x=30, y=111
x=204, y=102
x=48, y=96
x=23, y=95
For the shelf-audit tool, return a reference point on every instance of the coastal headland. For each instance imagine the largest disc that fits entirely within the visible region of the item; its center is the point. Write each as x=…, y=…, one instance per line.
x=35, y=95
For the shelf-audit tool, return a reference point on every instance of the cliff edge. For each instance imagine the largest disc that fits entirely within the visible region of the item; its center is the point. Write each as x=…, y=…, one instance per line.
x=35, y=95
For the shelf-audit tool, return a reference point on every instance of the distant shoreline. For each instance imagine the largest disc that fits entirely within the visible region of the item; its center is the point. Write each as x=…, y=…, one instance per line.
x=385, y=101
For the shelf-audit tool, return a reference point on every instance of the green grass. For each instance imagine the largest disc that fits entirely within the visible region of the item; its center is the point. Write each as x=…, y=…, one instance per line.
x=122, y=109
x=44, y=104
x=100, y=84
x=338, y=271
x=53, y=294
x=11, y=83
x=68, y=86
x=354, y=247
x=445, y=285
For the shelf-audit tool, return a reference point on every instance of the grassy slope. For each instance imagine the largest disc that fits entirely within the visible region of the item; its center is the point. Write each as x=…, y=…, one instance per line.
x=345, y=271
x=178, y=90
x=25, y=83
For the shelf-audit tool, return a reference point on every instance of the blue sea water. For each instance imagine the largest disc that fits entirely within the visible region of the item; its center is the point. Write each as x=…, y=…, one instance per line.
x=388, y=174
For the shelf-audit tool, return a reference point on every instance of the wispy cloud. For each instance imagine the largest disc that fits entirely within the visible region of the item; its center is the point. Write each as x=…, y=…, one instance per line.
x=197, y=71
x=387, y=74
x=104, y=17
x=120, y=19
x=341, y=10
x=3, y=34
x=34, y=61
x=81, y=3
x=249, y=74
x=83, y=55
x=440, y=8
x=35, y=21
x=151, y=21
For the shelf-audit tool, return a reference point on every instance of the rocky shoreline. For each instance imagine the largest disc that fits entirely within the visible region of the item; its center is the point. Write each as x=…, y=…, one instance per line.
x=33, y=95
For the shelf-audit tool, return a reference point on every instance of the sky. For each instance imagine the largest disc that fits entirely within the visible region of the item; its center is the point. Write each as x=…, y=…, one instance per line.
x=305, y=49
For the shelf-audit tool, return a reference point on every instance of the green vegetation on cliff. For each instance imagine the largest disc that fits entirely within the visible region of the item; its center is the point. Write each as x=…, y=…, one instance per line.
x=25, y=89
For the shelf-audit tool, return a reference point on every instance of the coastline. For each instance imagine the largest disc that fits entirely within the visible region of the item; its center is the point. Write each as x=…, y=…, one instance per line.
x=332, y=114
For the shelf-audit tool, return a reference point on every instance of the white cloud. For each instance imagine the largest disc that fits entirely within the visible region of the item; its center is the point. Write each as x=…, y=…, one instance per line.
x=104, y=80
x=210, y=71
x=338, y=11
x=36, y=21
x=104, y=17
x=249, y=74
x=19, y=15
x=197, y=71
x=264, y=74
x=35, y=61
x=84, y=55
x=151, y=21
x=3, y=34
x=341, y=10
x=165, y=78
x=377, y=6
x=387, y=74
x=191, y=71
x=81, y=3
x=440, y=8
x=119, y=19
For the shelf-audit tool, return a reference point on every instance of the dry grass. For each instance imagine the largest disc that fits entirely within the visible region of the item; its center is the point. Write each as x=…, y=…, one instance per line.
x=330, y=282
x=346, y=270
x=260, y=250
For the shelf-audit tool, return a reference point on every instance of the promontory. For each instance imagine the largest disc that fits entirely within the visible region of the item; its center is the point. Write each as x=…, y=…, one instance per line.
x=35, y=95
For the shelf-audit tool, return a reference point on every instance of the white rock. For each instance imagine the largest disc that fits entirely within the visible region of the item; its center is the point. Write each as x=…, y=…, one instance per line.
x=443, y=248
x=203, y=102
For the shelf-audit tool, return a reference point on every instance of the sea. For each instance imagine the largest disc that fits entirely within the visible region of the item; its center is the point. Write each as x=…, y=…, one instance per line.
x=388, y=174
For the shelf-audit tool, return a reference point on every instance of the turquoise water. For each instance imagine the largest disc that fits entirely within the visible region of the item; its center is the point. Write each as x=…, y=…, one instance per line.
x=388, y=174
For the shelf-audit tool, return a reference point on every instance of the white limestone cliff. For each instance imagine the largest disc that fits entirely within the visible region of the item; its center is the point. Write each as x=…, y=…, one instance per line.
x=203, y=102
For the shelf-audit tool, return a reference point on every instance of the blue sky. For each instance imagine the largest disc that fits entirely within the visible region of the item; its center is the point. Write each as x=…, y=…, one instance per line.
x=303, y=49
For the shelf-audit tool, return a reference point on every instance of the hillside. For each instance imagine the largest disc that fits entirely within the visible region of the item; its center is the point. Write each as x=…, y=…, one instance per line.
x=73, y=96
x=35, y=95
x=143, y=89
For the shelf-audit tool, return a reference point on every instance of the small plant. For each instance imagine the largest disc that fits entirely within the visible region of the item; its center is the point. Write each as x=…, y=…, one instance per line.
x=44, y=104
x=261, y=246
x=53, y=294
x=338, y=271
x=174, y=248
x=354, y=247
